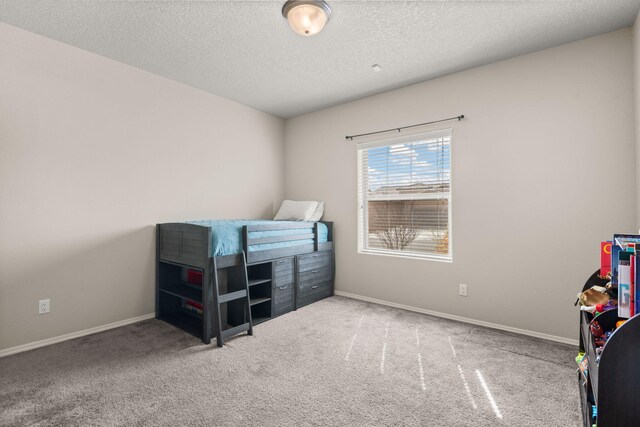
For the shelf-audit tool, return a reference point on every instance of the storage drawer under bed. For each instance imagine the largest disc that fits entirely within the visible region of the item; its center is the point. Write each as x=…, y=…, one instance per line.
x=310, y=291
x=283, y=299
x=314, y=261
x=317, y=274
x=283, y=271
x=314, y=274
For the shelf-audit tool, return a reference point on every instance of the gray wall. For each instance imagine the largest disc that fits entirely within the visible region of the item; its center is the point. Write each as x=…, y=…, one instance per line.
x=89, y=147
x=92, y=154
x=543, y=168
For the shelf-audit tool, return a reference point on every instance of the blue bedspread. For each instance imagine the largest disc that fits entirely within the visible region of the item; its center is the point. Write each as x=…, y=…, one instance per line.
x=227, y=235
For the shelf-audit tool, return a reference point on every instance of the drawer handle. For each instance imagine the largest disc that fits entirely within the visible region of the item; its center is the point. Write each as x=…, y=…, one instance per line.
x=314, y=286
x=283, y=287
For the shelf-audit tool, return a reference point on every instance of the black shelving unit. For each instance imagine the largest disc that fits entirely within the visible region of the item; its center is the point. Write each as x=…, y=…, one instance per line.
x=260, y=291
x=612, y=384
x=173, y=292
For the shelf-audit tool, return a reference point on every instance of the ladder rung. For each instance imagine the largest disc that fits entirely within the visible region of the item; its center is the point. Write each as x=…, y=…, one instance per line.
x=235, y=330
x=232, y=296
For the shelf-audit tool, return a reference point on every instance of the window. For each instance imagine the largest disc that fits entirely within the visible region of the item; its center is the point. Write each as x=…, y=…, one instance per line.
x=404, y=196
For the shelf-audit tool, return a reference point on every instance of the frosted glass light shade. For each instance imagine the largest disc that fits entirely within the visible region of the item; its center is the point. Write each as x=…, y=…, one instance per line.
x=306, y=17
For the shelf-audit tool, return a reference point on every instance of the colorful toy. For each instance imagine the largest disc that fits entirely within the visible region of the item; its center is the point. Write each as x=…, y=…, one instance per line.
x=594, y=296
x=596, y=329
x=608, y=306
x=584, y=367
x=598, y=354
x=600, y=341
x=599, y=308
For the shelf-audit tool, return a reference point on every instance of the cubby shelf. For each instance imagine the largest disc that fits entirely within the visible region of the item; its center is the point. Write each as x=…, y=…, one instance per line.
x=255, y=301
x=183, y=292
x=188, y=322
x=253, y=282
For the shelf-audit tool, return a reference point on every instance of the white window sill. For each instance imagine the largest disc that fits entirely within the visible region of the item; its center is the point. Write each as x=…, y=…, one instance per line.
x=409, y=255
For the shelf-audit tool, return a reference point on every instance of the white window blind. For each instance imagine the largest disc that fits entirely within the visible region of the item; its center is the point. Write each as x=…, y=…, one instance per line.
x=404, y=195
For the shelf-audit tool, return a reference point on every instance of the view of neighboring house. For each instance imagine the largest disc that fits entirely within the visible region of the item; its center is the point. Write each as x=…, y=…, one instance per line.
x=414, y=217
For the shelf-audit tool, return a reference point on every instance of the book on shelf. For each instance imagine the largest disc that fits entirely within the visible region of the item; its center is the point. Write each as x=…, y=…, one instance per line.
x=632, y=285
x=636, y=288
x=624, y=274
x=615, y=260
x=627, y=241
x=624, y=284
x=621, y=243
x=192, y=306
x=605, y=258
x=194, y=277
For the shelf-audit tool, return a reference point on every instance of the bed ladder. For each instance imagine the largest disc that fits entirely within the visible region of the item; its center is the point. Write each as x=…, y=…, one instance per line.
x=219, y=299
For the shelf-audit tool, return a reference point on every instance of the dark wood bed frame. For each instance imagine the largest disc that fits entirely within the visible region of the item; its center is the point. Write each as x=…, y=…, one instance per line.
x=182, y=245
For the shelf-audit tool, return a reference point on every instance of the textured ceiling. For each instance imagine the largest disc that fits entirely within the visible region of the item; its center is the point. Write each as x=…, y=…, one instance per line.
x=245, y=51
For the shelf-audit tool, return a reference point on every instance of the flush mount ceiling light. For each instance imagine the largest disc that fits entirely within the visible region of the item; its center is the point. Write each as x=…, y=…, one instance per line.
x=306, y=17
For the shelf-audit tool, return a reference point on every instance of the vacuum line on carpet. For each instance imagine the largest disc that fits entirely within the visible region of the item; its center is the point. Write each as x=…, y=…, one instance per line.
x=353, y=340
x=465, y=383
x=422, y=383
x=350, y=346
x=453, y=350
x=493, y=403
x=467, y=388
x=384, y=348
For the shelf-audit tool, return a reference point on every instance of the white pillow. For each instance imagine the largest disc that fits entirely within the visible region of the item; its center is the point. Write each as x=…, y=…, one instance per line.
x=317, y=215
x=295, y=211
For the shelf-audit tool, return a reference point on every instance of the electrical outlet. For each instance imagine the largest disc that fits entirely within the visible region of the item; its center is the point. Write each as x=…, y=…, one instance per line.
x=462, y=290
x=44, y=306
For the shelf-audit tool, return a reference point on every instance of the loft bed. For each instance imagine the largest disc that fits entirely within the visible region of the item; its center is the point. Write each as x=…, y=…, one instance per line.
x=194, y=242
x=246, y=271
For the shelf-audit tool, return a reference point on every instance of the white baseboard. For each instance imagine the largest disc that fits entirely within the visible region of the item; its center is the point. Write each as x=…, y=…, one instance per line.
x=78, y=334
x=72, y=335
x=461, y=319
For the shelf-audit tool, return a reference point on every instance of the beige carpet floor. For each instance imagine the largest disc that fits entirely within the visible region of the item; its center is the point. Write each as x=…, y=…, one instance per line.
x=338, y=362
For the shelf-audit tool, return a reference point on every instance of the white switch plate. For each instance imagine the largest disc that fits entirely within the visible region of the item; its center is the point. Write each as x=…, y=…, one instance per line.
x=44, y=306
x=463, y=290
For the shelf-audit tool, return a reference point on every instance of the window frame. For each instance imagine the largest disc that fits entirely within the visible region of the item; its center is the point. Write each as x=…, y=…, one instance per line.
x=363, y=208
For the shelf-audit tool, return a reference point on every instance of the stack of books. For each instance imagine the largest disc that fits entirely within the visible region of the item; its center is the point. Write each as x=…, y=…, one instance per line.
x=622, y=261
x=192, y=306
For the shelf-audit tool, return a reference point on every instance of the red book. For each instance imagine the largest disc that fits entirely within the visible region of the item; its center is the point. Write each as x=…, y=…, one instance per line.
x=194, y=277
x=605, y=258
x=194, y=304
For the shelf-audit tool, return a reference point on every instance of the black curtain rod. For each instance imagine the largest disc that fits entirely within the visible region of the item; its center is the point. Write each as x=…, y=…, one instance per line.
x=458, y=118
